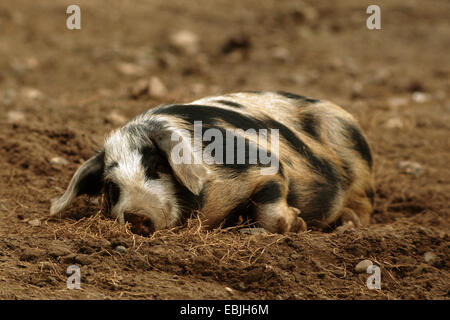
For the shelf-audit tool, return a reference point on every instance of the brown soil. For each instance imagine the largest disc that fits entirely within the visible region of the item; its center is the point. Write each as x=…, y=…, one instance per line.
x=62, y=90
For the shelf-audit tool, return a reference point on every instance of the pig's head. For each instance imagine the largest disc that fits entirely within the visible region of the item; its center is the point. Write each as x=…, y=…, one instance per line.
x=137, y=175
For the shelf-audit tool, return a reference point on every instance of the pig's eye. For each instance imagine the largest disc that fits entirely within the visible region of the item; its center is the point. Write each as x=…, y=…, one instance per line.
x=154, y=163
x=112, y=192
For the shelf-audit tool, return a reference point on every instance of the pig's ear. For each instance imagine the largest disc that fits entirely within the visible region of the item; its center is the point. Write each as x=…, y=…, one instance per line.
x=185, y=161
x=88, y=179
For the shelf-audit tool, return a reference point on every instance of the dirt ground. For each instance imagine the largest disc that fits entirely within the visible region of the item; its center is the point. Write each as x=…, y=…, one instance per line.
x=62, y=90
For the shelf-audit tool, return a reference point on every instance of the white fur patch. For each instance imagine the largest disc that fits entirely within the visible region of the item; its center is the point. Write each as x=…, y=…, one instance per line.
x=153, y=199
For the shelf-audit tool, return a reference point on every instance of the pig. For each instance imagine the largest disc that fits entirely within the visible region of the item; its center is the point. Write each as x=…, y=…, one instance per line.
x=283, y=161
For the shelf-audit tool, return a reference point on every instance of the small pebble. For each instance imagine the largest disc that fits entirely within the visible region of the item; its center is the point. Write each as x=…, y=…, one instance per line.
x=130, y=69
x=394, y=123
x=299, y=79
x=31, y=93
x=9, y=97
x=311, y=14
x=34, y=222
x=420, y=97
x=18, y=66
x=45, y=265
x=410, y=167
x=152, y=87
x=185, y=41
x=120, y=249
x=346, y=228
x=31, y=63
x=139, y=88
x=229, y=290
x=198, y=88
x=59, y=161
x=305, y=14
x=15, y=116
x=281, y=54
x=58, y=250
x=253, y=231
x=388, y=228
x=241, y=286
x=429, y=257
x=116, y=118
x=156, y=88
x=380, y=76
x=363, y=265
x=357, y=89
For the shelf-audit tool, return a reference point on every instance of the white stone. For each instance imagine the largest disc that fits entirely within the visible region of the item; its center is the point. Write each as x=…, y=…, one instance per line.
x=31, y=93
x=363, y=265
x=156, y=88
x=34, y=222
x=130, y=69
x=281, y=54
x=116, y=118
x=185, y=41
x=253, y=231
x=429, y=257
x=394, y=123
x=15, y=116
x=59, y=161
x=120, y=249
x=410, y=167
x=420, y=97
